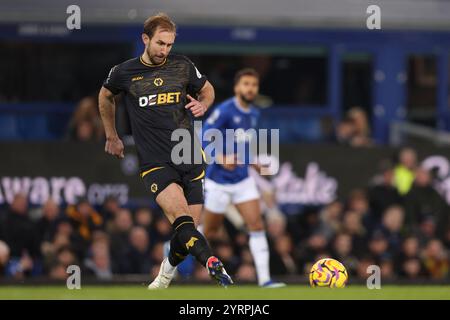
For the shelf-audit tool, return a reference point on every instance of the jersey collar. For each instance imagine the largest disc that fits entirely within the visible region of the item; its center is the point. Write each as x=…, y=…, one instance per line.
x=151, y=65
x=241, y=108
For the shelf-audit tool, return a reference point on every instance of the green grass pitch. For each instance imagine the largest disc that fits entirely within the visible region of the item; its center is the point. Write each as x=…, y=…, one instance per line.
x=183, y=292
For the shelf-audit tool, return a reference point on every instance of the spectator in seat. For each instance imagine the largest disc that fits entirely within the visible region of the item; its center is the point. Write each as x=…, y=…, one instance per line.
x=19, y=232
x=144, y=217
x=423, y=201
x=342, y=248
x=404, y=171
x=392, y=227
x=331, y=217
x=345, y=131
x=119, y=235
x=66, y=257
x=86, y=124
x=436, y=260
x=282, y=261
x=382, y=193
x=162, y=231
x=99, y=262
x=387, y=269
x=47, y=224
x=363, y=266
x=84, y=219
x=426, y=230
x=408, y=261
x=358, y=202
x=379, y=248
x=139, y=252
x=316, y=245
x=352, y=225
x=361, y=134
x=109, y=209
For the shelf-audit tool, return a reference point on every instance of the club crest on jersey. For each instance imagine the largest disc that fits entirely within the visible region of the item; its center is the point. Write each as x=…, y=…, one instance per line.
x=158, y=82
x=154, y=187
x=236, y=119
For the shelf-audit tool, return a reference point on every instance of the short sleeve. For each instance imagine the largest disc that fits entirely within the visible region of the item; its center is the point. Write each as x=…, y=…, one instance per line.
x=217, y=120
x=196, y=79
x=113, y=81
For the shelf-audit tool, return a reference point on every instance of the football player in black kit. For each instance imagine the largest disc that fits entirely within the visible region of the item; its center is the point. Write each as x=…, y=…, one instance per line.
x=162, y=92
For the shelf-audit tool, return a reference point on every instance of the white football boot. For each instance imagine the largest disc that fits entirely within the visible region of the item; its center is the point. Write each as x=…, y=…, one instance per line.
x=166, y=274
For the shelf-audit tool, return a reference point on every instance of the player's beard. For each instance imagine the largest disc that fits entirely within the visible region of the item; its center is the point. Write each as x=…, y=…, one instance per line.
x=245, y=99
x=152, y=58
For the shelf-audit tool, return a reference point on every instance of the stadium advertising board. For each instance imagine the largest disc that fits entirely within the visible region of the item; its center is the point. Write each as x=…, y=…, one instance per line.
x=308, y=174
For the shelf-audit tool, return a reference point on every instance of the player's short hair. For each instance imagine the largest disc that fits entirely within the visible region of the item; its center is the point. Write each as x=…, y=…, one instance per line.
x=245, y=72
x=159, y=20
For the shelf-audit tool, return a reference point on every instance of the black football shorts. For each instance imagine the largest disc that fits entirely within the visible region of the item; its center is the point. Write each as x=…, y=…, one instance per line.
x=190, y=177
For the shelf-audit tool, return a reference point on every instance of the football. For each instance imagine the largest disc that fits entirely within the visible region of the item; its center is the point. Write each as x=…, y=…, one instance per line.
x=328, y=273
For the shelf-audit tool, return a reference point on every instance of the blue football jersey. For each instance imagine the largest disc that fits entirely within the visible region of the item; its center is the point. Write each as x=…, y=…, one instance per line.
x=229, y=115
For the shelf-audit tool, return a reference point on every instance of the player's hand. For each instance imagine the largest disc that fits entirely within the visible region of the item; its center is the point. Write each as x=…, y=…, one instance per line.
x=114, y=146
x=196, y=107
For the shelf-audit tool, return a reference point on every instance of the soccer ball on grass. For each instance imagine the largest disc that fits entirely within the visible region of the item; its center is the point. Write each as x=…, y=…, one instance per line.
x=328, y=273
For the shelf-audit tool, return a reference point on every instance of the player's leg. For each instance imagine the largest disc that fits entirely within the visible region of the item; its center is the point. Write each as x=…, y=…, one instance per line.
x=176, y=253
x=217, y=199
x=248, y=205
x=164, y=183
x=259, y=247
x=212, y=223
x=187, y=239
x=196, y=213
x=195, y=197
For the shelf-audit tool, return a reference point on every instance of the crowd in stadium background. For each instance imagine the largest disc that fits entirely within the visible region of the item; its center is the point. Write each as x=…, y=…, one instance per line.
x=325, y=80
x=399, y=222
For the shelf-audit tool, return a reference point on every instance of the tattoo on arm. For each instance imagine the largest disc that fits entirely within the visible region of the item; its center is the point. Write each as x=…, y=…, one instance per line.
x=107, y=108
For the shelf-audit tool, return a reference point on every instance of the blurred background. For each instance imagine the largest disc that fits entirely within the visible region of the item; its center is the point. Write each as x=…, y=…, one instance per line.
x=364, y=121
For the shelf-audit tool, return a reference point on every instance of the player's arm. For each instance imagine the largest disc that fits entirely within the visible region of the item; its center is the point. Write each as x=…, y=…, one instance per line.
x=107, y=107
x=205, y=99
x=113, y=85
x=198, y=84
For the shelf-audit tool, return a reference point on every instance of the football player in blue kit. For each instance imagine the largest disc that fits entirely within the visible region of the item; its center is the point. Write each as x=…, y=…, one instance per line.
x=227, y=178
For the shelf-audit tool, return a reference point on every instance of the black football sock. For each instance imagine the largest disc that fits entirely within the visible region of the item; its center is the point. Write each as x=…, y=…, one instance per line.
x=177, y=252
x=191, y=240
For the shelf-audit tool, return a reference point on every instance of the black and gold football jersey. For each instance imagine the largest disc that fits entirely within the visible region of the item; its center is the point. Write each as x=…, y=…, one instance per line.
x=155, y=98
